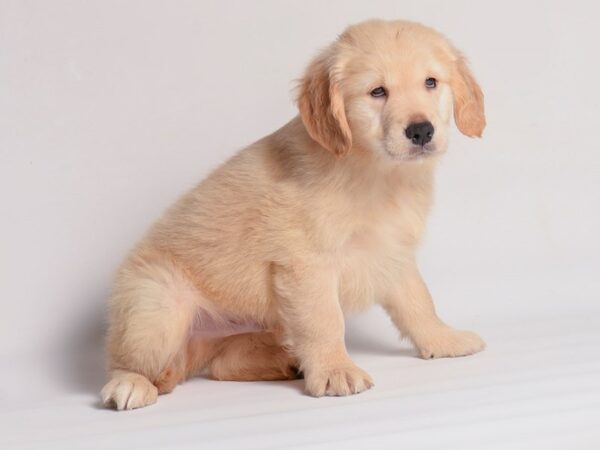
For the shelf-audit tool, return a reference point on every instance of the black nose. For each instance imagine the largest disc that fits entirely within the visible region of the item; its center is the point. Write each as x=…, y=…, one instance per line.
x=420, y=133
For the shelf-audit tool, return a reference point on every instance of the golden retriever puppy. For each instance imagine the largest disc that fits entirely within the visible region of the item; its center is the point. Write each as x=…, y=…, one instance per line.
x=249, y=275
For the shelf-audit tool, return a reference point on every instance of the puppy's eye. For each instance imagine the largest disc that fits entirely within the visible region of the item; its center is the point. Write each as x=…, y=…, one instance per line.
x=430, y=83
x=379, y=92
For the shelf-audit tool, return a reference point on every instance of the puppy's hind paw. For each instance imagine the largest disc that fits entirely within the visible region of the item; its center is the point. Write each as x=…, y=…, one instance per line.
x=128, y=390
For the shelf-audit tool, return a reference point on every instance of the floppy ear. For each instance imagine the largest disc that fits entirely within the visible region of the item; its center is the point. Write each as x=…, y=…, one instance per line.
x=468, y=100
x=322, y=106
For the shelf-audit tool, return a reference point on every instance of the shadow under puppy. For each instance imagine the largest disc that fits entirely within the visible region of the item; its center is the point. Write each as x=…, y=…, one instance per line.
x=248, y=276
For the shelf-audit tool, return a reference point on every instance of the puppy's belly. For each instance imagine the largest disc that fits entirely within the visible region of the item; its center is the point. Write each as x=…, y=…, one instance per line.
x=214, y=325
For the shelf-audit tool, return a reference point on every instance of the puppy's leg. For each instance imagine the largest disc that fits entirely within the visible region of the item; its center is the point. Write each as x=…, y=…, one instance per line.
x=314, y=327
x=176, y=372
x=411, y=309
x=151, y=310
x=242, y=357
x=251, y=357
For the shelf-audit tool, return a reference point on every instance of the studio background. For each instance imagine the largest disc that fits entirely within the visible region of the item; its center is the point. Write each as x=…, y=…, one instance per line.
x=110, y=110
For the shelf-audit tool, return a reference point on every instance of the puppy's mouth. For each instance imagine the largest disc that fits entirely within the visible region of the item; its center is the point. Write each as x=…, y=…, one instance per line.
x=414, y=152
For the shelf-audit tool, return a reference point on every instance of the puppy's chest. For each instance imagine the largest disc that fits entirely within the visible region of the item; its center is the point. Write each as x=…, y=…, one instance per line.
x=371, y=261
x=373, y=242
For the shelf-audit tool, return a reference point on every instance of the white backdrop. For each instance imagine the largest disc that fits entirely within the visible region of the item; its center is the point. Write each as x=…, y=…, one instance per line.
x=104, y=104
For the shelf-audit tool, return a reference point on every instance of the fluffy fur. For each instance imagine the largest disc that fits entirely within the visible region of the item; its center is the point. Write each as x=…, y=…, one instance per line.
x=248, y=276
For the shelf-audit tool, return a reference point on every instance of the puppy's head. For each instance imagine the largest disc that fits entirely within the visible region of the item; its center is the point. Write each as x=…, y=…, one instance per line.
x=389, y=88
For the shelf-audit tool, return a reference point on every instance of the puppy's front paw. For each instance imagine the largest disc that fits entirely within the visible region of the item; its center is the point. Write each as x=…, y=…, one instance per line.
x=128, y=390
x=448, y=342
x=337, y=381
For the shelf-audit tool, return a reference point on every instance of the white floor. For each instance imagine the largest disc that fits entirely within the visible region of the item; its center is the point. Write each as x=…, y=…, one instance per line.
x=537, y=386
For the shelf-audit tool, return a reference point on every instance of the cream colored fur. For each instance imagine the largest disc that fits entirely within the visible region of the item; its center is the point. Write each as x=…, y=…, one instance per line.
x=248, y=276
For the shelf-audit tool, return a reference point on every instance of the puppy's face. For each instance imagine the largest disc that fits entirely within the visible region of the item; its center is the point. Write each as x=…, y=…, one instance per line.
x=390, y=88
x=397, y=95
